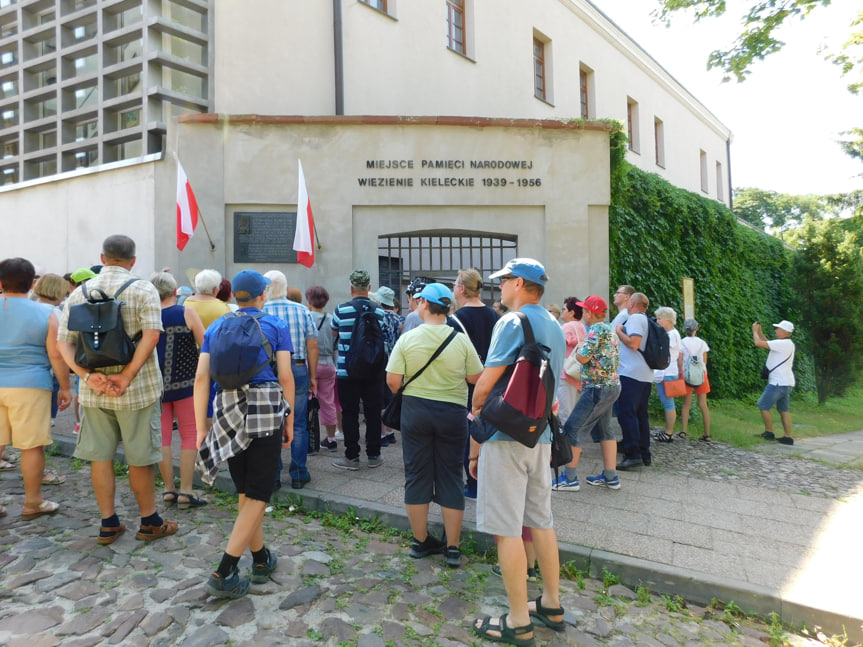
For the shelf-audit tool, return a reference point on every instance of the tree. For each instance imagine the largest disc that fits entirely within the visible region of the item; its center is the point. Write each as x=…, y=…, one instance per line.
x=827, y=271
x=759, y=40
x=778, y=211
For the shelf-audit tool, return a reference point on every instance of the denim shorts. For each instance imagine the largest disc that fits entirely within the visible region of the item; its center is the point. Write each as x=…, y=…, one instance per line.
x=592, y=412
x=780, y=396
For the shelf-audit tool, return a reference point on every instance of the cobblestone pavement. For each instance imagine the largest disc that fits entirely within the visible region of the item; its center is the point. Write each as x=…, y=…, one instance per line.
x=335, y=585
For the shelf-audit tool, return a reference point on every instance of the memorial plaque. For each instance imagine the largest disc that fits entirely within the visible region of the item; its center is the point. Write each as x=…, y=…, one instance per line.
x=264, y=237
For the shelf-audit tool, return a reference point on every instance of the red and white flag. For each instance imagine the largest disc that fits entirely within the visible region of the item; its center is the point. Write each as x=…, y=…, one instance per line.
x=304, y=238
x=187, y=208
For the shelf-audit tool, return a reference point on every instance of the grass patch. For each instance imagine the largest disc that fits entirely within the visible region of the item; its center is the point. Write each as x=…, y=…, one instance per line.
x=737, y=422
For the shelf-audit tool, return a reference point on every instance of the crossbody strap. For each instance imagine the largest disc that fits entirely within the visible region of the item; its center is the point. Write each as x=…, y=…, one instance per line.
x=770, y=370
x=431, y=359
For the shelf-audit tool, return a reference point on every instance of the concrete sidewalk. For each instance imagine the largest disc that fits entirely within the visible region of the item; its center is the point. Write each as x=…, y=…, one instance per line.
x=771, y=529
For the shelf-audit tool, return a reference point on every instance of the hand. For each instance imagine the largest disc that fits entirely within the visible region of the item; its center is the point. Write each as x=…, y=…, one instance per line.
x=117, y=385
x=313, y=385
x=200, y=438
x=64, y=399
x=756, y=326
x=97, y=382
x=472, y=468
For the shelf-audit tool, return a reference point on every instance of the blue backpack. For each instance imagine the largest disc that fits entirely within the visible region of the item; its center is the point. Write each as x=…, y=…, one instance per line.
x=235, y=348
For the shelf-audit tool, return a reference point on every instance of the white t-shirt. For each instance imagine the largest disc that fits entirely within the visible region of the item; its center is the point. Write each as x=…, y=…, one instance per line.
x=781, y=350
x=694, y=346
x=674, y=347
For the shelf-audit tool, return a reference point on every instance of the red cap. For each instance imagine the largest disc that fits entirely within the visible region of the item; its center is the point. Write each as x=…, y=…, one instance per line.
x=596, y=305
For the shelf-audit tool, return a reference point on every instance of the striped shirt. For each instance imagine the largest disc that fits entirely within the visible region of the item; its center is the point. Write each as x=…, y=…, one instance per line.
x=343, y=322
x=299, y=320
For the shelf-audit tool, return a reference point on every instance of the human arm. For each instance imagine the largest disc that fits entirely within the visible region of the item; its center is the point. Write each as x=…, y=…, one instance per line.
x=119, y=382
x=61, y=371
x=394, y=381
x=312, y=355
x=95, y=381
x=630, y=341
x=286, y=380
x=201, y=397
x=487, y=379
x=473, y=457
x=758, y=337
x=194, y=323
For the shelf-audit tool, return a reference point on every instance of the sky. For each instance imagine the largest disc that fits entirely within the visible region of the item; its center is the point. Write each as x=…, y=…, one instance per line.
x=789, y=113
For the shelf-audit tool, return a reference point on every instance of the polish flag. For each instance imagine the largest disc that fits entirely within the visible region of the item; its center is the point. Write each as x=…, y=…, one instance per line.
x=304, y=238
x=187, y=208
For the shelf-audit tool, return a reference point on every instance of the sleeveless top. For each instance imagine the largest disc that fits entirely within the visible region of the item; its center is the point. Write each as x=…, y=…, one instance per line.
x=178, y=355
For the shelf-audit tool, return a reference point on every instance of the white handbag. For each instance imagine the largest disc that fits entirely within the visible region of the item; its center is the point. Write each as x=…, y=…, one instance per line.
x=571, y=365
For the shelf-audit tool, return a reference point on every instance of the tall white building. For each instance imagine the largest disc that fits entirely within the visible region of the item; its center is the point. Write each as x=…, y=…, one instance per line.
x=96, y=97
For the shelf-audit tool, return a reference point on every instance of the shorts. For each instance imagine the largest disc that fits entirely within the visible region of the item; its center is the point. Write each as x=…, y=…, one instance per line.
x=25, y=418
x=704, y=387
x=667, y=402
x=139, y=430
x=254, y=470
x=514, y=488
x=592, y=413
x=434, y=435
x=775, y=395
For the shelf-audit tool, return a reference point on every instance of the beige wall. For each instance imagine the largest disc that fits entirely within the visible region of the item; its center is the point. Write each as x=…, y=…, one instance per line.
x=252, y=165
x=60, y=225
x=400, y=65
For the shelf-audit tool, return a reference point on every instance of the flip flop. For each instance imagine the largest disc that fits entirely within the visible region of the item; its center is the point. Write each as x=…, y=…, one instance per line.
x=46, y=507
x=50, y=477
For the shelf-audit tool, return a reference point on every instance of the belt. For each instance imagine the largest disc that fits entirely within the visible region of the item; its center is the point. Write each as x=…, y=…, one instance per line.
x=300, y=361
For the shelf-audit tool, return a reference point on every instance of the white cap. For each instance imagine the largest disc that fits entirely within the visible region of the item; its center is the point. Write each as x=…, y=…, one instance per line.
x=787, y=326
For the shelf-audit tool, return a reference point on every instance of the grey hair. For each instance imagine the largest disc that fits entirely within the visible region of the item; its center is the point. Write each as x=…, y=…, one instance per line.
x=207, y=281
x=667, y=313
x=165, y=284
x=278, y=287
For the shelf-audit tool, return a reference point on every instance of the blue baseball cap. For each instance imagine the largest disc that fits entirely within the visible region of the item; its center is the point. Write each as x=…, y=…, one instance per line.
x=436, y=293
x=248, y=285
x=525, y=268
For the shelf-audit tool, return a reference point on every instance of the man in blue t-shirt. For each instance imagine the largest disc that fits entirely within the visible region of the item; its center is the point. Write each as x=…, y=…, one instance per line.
x=514, y=480
x=251, y=425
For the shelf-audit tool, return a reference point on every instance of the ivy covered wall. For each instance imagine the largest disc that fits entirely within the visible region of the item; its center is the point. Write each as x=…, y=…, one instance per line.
x=660, y=234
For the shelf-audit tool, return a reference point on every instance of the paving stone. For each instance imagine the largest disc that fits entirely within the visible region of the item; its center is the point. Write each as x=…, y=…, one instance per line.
x=236, y=613
x=122, y=625
x=155, y=622
x=84, y=623
x=32, y=622
x=303, y=596
x=206, y=636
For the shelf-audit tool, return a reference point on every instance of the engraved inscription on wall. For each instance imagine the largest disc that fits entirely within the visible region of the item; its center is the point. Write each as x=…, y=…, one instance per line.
x=264, y=237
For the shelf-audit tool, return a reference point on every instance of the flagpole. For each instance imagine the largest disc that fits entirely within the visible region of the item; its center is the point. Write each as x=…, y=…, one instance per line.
x=206, y=231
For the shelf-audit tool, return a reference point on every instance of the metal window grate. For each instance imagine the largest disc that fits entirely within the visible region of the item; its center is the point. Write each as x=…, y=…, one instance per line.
x=439, y=255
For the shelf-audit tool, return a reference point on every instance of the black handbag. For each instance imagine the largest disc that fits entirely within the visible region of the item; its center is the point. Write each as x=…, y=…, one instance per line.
x=392, y=414
x=313, y=424
x=561, y=448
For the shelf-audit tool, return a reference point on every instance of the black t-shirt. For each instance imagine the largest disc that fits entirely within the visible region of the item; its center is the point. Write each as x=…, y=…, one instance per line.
x=479, y=322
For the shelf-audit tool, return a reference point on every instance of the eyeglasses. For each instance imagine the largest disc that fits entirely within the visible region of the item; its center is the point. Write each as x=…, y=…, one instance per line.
x=623, y=293
x=507, y=278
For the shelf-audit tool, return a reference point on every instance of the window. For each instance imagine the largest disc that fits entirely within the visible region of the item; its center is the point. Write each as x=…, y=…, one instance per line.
x=705, y=186
x=538, y=69
x=585, y=87
x=720, y=194
x=455, y=12
x=380, y=5
x=659, y=141
x=632, y=125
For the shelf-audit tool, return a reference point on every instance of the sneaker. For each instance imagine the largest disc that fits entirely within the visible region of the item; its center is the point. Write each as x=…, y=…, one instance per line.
x=561, y=483
x=77, y=428
x=339, y=435
x=600, y=479
x=768, y=435
x=431, y=546
x=786, y=440
x=647, y=459
x=344, y=463
x=232, y=587
x=532, y=574
x=262, y=572
x=389, y=439
x=375, y=461
x=332, y=445
x=469, y=492
x=453, y=556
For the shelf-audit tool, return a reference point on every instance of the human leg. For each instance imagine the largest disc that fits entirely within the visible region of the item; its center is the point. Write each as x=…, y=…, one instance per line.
x=166, y=465
x=684, y=411
x=104, y=484
x=705, y=413
x=300, y=445
x=32, y=468
x=349, y=397
x=627, y=408
x=372, y=405
x=545, y=541
x=644, y=389
x=142, y=481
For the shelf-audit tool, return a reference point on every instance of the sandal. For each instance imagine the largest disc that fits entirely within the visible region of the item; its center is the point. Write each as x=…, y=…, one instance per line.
x=9, y=458
x=682, y=435
x=508, y=635
x=169, y=497
x=192, y=502
x=2, y=510
x=46, y=507
x=706, y=439
x=542, y=615
x=109, y=534
x=50, y=477
x=662, y=437
x=149, y=533
x=6, y=465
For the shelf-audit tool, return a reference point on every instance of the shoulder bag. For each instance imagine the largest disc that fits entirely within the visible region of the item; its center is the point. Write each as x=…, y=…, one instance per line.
x=392, y=414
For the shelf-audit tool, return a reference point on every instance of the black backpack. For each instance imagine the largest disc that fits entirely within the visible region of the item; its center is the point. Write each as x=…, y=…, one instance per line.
x=235, y=347
x=367, y=356
x=102, y=338
x=520, y=403
x=657, y=351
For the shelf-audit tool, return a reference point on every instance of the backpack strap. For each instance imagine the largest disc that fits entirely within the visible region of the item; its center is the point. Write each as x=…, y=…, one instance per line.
x=434, y=356
x=526, y=327
x=125, y=285
x=268, y=347
x=323, y=319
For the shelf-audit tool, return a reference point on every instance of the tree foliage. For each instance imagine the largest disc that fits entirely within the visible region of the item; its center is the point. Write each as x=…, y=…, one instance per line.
x=660, y=234
x=827, y=270
x=778, y=211
x=759, y=36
